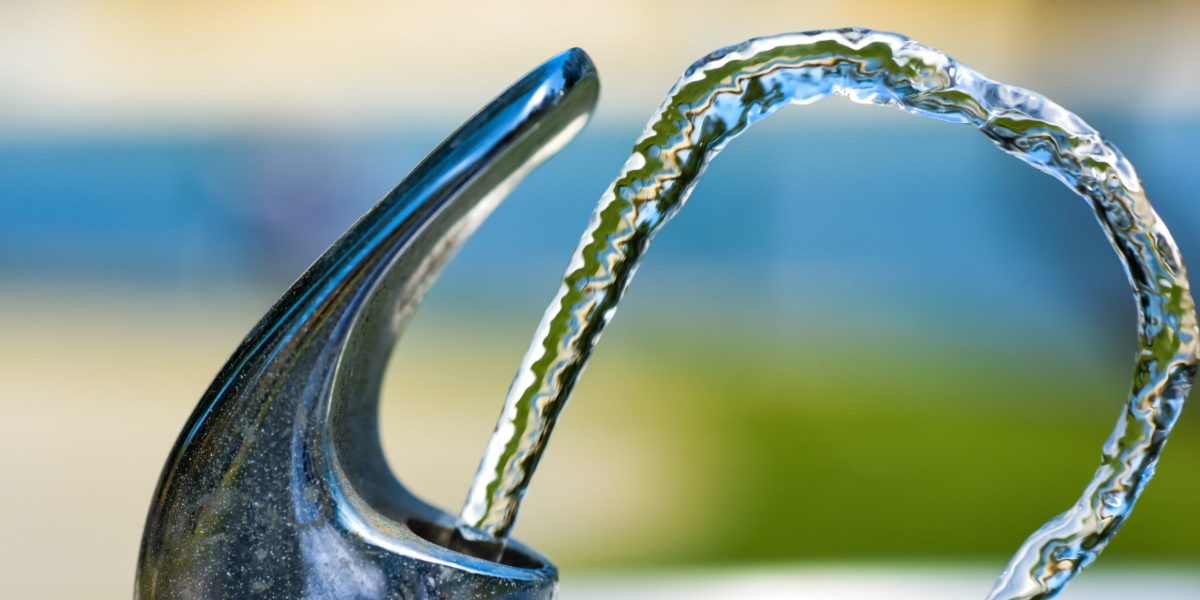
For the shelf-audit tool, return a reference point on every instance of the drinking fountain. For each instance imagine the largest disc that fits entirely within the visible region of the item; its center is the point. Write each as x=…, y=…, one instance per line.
x=277, y=486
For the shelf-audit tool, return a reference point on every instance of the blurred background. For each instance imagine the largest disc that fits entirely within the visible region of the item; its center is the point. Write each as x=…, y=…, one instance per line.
x=872, y=349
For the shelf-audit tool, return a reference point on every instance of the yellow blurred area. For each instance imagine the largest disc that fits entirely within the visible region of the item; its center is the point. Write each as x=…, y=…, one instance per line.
x=94, y=396
x=276, y=63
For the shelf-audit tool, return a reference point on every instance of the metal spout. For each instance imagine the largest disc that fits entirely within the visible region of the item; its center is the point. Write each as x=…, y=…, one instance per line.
x=277, y=487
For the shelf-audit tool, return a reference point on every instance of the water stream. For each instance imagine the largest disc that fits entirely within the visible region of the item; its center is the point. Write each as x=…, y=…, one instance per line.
x=724, y=93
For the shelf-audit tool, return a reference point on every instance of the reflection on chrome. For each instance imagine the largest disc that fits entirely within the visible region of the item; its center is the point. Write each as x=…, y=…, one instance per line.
x=277, y=487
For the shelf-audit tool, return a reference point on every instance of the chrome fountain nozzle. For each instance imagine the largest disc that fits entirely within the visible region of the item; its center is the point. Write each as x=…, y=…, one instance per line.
x=277, y=487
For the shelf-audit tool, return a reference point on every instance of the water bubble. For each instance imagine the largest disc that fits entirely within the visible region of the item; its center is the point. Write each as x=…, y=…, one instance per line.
x=1113, y=499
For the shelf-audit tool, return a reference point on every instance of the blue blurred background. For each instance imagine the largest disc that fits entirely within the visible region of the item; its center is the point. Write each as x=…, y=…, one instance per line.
x=868, y=340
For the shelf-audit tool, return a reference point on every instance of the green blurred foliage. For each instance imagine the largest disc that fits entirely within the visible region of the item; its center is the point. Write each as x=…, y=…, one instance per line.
x=845, y=445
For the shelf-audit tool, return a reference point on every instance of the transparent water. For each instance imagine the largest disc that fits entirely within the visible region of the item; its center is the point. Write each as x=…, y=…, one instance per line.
x=727, y=91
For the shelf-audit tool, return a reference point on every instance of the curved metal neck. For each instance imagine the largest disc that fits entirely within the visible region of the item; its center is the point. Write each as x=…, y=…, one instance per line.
x=278, y=486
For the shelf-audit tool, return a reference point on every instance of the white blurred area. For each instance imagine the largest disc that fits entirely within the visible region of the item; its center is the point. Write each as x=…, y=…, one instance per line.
x=865, y=584
x=66, y=64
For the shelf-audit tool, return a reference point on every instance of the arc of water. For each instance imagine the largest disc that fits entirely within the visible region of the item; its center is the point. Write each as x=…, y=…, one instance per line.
x=725, y=92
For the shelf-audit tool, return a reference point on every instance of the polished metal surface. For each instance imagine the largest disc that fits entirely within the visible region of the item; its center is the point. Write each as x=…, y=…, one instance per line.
x=277, y=487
